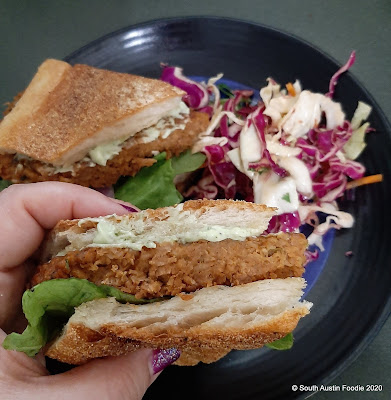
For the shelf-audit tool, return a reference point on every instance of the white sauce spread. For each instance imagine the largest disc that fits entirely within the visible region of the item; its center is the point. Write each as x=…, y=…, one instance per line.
x=99, y=155
x=121, y=235
x=176, y=225
x=104, y=152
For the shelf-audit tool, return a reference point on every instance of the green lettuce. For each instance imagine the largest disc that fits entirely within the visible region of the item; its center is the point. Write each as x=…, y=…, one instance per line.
x=284, y=343
x=154, y=187
x=4, y=184
x=225, y=90
x=49, y=305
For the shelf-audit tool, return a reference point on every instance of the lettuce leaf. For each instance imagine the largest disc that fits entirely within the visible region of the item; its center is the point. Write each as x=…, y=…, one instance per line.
x=225, y=90
x=284, y=343
x=4, y=184
x=187, y=162
x=154, y=186
x=49, y=305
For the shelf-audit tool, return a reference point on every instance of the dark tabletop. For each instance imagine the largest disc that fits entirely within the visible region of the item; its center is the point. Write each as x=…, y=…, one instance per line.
x=32, y=31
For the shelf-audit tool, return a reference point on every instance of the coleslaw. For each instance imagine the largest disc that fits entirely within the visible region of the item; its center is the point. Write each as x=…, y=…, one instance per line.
x=291, y=149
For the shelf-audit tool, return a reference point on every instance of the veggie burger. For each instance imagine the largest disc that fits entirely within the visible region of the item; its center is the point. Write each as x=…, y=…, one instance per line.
x=200, y=276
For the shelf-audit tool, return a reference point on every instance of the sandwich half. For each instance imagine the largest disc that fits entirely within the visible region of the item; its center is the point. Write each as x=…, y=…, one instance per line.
x=210, y=278
x=89, y=126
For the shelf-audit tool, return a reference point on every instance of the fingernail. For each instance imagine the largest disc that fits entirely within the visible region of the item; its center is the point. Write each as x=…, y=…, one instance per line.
x=129, y=208
x=162, y=358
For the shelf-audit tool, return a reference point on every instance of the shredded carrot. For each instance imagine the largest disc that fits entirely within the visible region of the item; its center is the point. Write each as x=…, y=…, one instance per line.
x=366, y=180
x=291, y=89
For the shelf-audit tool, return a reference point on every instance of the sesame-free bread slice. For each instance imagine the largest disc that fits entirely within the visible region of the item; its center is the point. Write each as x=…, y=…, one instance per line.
x=165, y=221
x=204, y=325
x=67, y=110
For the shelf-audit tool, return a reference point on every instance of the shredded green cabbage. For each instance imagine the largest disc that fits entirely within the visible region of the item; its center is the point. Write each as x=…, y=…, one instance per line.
x=356, y=144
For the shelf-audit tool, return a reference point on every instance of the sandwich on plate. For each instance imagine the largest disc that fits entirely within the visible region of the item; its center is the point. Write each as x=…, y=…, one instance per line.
x=202, y=276
x=90, y=126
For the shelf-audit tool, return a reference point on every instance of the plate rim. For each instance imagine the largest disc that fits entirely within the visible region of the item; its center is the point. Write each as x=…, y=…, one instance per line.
x=178, y=19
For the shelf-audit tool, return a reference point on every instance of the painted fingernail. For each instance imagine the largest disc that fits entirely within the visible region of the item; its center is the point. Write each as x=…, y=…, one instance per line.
x=162, y=358
x=129, y=208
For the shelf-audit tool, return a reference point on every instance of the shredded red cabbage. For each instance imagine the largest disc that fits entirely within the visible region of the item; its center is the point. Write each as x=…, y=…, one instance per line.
x=321, y=150
x=311, y=255
x=197, y=96
x=260, y=124
x=352, y=169
x=328, y=172
x=335, y=77
x=224, y=172
x=208, y=110
x=323, y=144
x=204, y=189
x=288, y=222
x=329, y=186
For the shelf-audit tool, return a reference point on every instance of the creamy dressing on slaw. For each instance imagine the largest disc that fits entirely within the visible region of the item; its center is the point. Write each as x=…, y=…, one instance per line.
x=268, y=187
x=295, y=116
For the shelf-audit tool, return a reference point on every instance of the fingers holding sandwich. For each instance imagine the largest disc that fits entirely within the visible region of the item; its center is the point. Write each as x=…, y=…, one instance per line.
x=26, y=211
x=130, y=376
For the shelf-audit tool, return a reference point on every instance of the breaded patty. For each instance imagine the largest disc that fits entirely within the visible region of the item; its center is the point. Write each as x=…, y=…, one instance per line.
x=172, y=268
x=128, y=162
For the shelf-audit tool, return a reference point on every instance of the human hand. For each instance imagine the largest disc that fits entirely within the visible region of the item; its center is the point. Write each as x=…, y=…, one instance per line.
x=26, y=211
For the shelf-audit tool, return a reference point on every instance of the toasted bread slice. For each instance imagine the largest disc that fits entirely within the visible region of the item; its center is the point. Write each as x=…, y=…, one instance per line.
x=191, y=221
x=67, y=110
x=134, y=156
x=204, y=326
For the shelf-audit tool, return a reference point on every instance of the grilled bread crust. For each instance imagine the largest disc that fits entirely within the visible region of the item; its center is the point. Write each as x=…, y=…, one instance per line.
x=65, y=110
x=204, y=326
x=127, y=163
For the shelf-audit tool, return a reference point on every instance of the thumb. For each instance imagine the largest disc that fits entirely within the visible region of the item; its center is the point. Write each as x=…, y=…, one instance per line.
x=115, y=378
x=123, y=377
